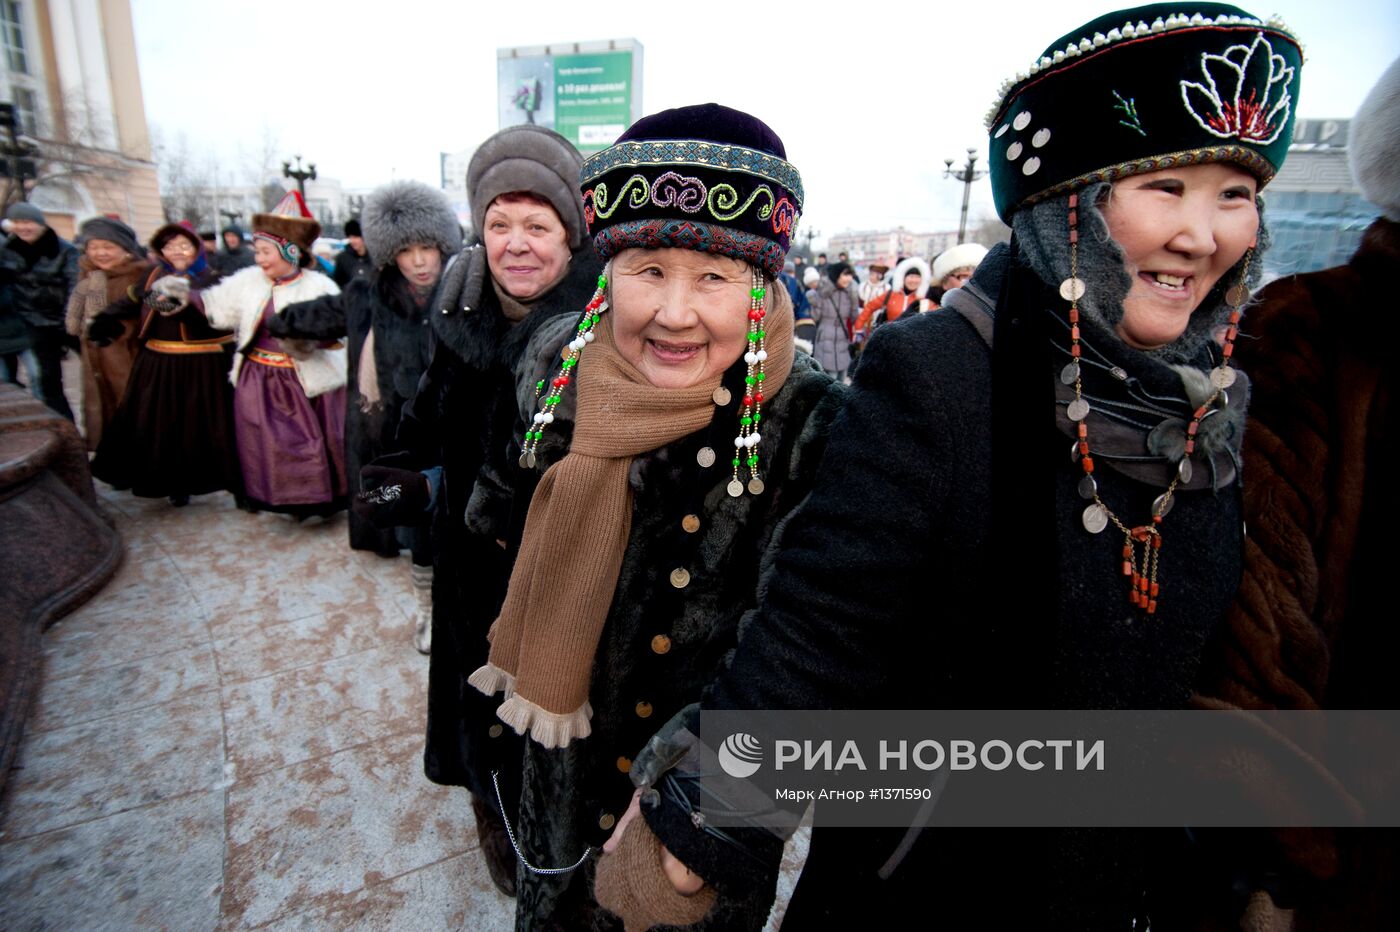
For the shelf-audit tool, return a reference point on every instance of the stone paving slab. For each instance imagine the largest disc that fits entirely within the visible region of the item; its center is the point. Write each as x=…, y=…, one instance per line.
x=156, y=867
x=230, y=736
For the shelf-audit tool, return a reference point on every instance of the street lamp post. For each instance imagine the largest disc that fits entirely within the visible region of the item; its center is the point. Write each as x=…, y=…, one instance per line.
x=301, y=177
x=967, y=175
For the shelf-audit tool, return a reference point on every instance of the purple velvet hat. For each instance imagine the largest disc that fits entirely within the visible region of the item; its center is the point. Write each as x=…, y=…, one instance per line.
x=705, y=177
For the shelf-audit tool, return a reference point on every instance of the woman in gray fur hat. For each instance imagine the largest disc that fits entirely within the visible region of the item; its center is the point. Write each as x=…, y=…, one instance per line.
x=410, y=232
x=534, y=264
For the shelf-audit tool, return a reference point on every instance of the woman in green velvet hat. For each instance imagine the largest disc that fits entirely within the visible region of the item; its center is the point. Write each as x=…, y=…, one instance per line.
x=1055, y=454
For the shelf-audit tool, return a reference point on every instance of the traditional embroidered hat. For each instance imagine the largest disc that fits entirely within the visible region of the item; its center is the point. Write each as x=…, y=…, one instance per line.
x=290, y=227
x=1139, y=90
x=704, y=177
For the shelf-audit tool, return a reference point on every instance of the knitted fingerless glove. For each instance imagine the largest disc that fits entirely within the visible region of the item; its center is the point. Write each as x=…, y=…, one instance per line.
x=631, y=883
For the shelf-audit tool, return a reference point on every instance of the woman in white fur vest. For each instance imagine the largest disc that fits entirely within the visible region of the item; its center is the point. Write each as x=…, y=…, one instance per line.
x=289, y=396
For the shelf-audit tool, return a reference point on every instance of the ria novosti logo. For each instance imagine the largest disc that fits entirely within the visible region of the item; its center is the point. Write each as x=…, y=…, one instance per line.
x=741, y=755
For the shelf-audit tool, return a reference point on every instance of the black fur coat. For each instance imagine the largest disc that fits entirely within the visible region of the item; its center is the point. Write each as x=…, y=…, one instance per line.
x=463, y=415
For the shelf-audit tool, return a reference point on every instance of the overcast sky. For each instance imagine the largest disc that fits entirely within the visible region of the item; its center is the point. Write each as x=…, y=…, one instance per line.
x=868, y=102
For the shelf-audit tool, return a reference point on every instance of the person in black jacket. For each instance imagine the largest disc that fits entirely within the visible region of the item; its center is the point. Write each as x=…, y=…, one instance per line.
x=535, y=265
x=354, y=260
x=1024, y=504
x=410, y=232
x=235, y=255
x=40, y=270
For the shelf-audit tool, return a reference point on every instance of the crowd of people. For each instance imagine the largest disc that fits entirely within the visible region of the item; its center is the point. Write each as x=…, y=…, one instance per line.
x=646, y=465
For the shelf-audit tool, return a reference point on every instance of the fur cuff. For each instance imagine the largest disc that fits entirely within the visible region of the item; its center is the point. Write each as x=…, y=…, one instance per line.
x=631, y=883
x=551, y=729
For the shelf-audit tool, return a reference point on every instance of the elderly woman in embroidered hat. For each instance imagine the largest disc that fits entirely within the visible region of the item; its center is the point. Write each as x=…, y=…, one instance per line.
x=663, y=453
x=410, y=232
x=173, y=434
x=534, y=263
x=289, y=405
x=1072, y=419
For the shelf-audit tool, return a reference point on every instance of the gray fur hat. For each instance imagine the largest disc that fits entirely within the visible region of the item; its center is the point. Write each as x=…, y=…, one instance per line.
x=1375, y=138
x=402, y=213
x=528, y=158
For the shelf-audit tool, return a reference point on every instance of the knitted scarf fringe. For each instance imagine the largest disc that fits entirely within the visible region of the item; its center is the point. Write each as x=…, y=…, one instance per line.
x=551, y=729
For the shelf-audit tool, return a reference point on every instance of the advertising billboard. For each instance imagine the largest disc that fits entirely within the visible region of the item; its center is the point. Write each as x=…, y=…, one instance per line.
x=587, y=92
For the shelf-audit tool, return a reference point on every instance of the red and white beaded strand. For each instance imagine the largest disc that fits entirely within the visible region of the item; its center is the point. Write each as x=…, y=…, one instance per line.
x=592, y=314
x=751, y=410
x=1140, y=566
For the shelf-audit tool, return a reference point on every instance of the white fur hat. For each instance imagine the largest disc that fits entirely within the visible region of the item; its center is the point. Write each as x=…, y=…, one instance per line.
x=1375, y=139
x=963, y=254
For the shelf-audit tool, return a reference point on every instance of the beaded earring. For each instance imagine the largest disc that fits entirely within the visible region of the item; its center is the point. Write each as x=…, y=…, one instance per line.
x=751, y=411
x=592, y=313
x=1140, y=563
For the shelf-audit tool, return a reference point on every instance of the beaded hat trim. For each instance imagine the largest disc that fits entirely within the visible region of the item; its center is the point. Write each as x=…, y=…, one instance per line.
x=757, y=251
x=694, y=152
x=1251, y=160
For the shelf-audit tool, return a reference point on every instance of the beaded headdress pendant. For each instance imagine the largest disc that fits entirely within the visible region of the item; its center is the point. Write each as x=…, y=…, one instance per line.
x=592, y=313
x=751, y=410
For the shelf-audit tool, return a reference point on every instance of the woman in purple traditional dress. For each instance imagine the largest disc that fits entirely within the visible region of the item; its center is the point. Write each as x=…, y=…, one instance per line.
x=289, y=397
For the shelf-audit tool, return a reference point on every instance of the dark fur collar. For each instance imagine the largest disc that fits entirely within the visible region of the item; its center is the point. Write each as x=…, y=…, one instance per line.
x=482, y=336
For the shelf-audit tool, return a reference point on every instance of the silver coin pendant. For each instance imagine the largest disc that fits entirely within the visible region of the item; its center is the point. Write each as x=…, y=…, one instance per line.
x=1162, y=504
x=1078, y=409
x=1072, y=289
x=755, y=486
x=1070, y=373
x=1184, y=469
x=736, y=488
x=1088, y=487
x=1095, y=518
x=1222, y=377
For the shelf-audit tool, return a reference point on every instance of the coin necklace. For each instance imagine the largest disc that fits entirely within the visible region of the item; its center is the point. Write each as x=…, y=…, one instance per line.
x=1142, y=545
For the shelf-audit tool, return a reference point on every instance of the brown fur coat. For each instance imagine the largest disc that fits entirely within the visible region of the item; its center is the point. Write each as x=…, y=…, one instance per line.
x=105, y=368
x=1312, y=626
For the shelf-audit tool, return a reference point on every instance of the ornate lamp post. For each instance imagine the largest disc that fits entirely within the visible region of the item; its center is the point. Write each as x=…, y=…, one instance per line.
x=299, y=175
x=967, y=175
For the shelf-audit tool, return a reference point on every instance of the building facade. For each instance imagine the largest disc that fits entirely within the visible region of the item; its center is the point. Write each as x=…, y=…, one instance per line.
x=1313, y=208
x=888, y=246
x=71, y=72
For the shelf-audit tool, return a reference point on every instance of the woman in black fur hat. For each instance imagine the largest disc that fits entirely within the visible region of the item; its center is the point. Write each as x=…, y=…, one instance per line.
x=410, y=231
x=1032, y=496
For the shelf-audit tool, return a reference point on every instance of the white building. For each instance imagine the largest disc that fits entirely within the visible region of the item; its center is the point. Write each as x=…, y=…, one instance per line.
x=69, y=68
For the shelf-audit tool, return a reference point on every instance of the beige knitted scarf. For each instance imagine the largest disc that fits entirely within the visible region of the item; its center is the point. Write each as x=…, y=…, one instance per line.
x=576, y=531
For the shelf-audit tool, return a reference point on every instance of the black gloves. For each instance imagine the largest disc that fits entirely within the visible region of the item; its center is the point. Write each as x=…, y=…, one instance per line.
x=392, y=497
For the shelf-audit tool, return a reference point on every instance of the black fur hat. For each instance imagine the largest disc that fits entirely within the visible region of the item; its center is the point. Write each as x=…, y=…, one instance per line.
x=403, y=213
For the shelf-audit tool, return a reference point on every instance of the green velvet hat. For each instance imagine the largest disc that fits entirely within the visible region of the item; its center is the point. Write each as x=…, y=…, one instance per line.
x=1139, y=90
